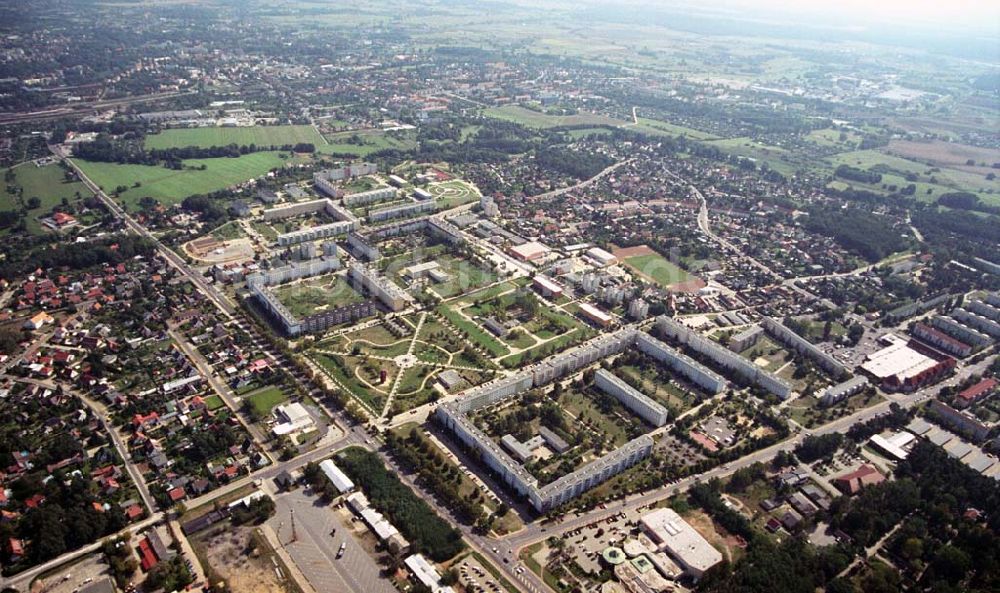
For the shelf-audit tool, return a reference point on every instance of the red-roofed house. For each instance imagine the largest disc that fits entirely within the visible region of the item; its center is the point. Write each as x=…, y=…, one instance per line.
x=975, y=393
x=853, y=482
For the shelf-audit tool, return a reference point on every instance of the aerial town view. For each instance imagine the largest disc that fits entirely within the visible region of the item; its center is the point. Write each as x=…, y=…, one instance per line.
x=507, y=296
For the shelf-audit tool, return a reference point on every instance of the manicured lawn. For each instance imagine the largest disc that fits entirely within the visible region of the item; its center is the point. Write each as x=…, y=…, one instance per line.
x=170, y=186
x=476, y=333
x=535, y=119
x=264, y=399
x=47, y=184
x=214, y=402
x=657, y=268
x=259, y=135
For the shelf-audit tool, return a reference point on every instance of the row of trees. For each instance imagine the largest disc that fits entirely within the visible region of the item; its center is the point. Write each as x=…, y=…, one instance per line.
x=427, y=533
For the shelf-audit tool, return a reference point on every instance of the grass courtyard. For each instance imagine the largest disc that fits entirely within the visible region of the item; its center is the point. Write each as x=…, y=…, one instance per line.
x=315, y=295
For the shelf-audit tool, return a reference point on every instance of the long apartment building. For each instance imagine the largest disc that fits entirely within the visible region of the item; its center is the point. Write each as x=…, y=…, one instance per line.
x=983, y=324
x=984, y=308
x=392, y=296
x=681, y=363
x=805, y=348
x=362, y=248
x=941, y=340
x=723, y=357
x=961, y=332
x=367, y=197
x=346, y=222
x=325, y=180
x=639, y=403
x=401, y=211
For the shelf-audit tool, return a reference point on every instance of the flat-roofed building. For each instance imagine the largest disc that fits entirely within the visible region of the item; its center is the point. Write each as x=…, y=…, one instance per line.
x=641, y=404
x=546, y=286
x=530, y=251
x=595, y=315
x=339, y=479
x=601, y=257
x=681, y=541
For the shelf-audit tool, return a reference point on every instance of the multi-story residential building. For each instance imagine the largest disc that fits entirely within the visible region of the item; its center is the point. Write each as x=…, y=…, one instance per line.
x=941, y=340
x=805, y=348
x=961, y=332
x=392, y=296
x=401, y=211
x=639, y=403
x=681, y=363
x=370, y=196
x=746, y=338
x=842, y=391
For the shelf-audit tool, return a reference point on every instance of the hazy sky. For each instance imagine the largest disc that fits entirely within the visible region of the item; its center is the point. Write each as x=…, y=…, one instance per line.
x=982, y=14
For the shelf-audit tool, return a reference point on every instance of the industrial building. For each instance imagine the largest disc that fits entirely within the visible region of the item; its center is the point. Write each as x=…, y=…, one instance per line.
x=640, y=404
x=682, y=542
x=339, y=479
x=530, y=251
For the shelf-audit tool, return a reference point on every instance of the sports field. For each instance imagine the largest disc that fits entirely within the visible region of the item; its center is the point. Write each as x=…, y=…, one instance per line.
x=170, y=186
x=245, y=136
x=535, y=119
x=47, y=184
x=652, y=266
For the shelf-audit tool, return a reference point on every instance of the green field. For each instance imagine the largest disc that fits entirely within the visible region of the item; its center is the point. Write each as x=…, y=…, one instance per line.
x=662, y=128
x=266, y=398
x=363, y=143
x=47, y=184
x=171, y=187
x=259, y=135
x=939, y=180
x=657, y=268
x=535, y=119
x=317, y=294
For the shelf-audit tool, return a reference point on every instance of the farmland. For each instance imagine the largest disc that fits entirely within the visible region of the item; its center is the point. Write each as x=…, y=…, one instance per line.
x=662, y=128
x=169, y=186
x=242, y=136
x=536, y=119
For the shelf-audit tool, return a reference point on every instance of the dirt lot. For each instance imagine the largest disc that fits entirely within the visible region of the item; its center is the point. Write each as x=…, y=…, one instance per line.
x=623, y=252
x=220, y=252
x=228, y=552
x=947, y=154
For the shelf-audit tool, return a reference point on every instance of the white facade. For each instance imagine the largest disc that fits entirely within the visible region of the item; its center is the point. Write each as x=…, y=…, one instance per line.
x=693, y=370
x=676, y=537
x=639, y=403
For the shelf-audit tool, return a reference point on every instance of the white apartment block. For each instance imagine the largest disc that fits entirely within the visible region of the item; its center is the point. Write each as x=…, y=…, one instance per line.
x=639, y=403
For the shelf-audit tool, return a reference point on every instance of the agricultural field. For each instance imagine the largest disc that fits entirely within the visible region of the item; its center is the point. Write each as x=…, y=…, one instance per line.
x=932, y=180
x=47, y=183
x=535, y=119
x=662, y=128
x=171, y=187
x=843, y=140
x=315, y=295
x=777, y=158
x=242, y=136
x=364, y=142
